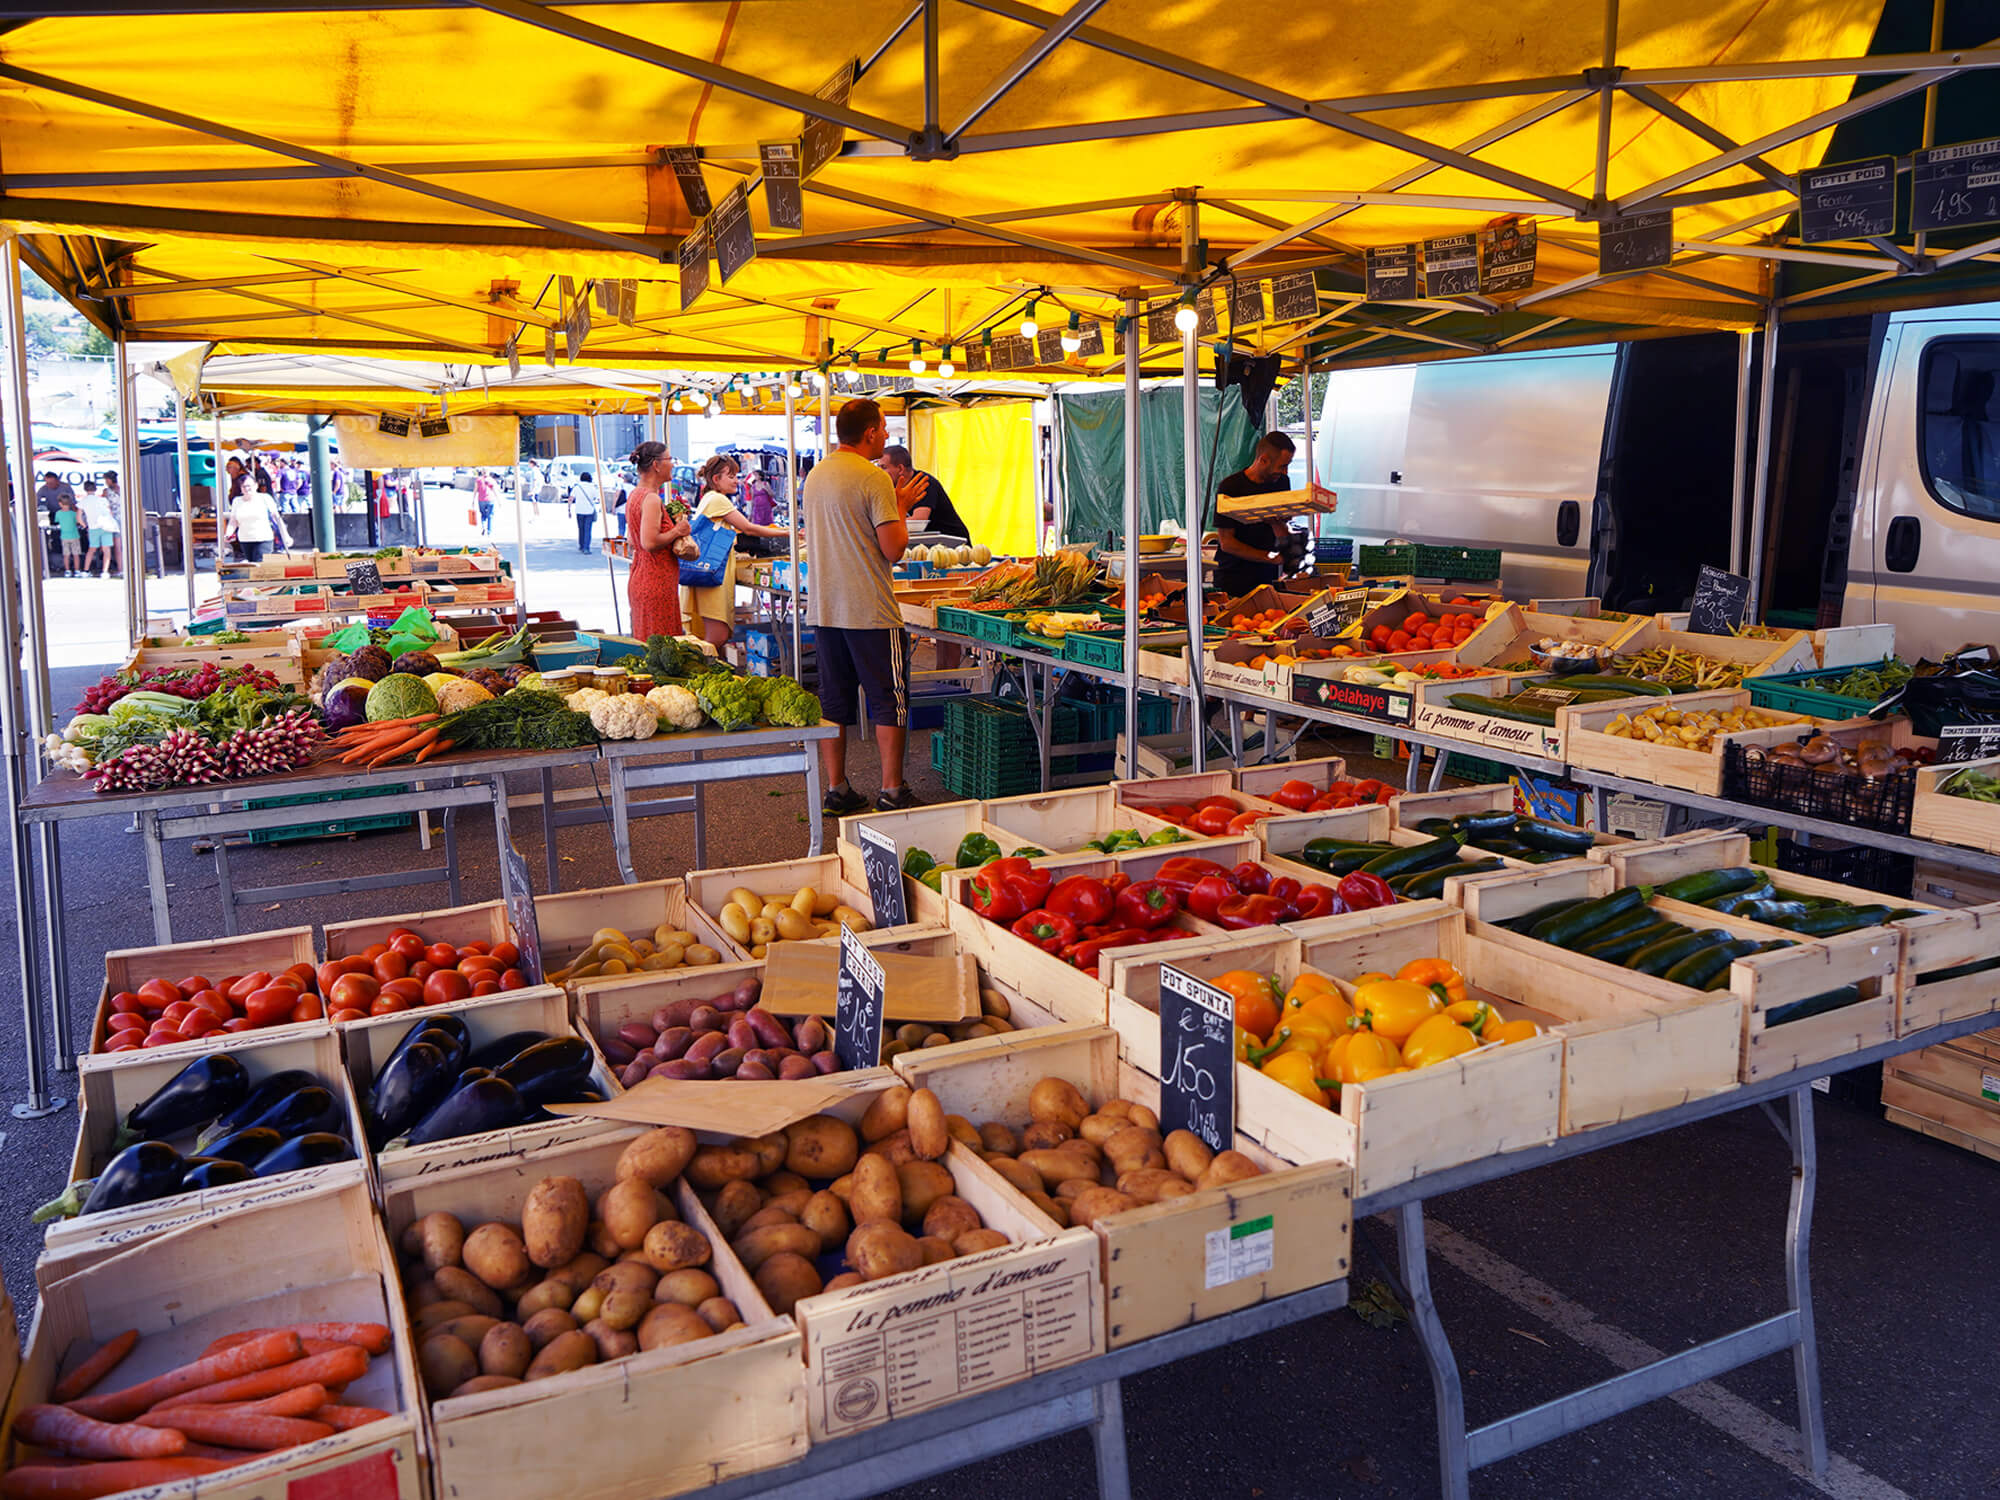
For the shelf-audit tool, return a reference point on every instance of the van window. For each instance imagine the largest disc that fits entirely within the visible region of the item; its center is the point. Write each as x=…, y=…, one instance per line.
x=1961, y=425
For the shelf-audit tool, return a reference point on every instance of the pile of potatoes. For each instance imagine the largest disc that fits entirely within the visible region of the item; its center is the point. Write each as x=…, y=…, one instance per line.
x=575, y=1284
x=995, y=1016
x=877, y=1194
x=755, y=922
x=1077, y=1164
x=611, y=951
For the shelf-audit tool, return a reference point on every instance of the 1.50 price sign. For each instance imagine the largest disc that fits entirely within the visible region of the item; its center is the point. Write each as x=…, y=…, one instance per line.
x=1197, y=1059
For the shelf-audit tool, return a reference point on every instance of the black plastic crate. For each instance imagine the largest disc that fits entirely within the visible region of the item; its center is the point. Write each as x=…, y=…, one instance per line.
x=1879, y=802
x=1866, y=869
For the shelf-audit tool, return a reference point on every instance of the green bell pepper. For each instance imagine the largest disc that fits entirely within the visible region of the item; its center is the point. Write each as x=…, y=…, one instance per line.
x=918, y=862
x=974, y=850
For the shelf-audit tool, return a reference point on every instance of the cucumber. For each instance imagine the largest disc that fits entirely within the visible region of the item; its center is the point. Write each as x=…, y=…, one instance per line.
x=1493, y=820
x=1624, y=922
x=1720, y=977
x=1527, y=920
x=1347, y=861
x=1705, y=886
x=1426, y=884
x=1567, y=930
x=1627, y=946
x=1502, y=708
x=1813, y=1005
x=1829, y=920
x=1663, y=955
x=1407, y=861
x=1704, y=964
x=1554, y=838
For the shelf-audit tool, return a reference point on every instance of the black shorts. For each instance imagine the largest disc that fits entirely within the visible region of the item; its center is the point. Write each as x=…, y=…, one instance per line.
x=853, y=662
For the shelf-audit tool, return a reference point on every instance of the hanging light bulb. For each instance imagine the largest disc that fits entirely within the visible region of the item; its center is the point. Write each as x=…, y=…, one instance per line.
x=794, y=389
x=1072, y=336
x=1185, y=317
x=916, y=358
x=703, y=398
x=675, y=404
x=819, y=380
x=1029, y=327
x=945, y=367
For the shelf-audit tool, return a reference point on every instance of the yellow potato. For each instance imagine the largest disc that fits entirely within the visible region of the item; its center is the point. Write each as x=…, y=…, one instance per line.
x=762, y=930
x=748, y=900
x=770, y=909
x=760, y=950
x=824, y=904
x=793, y=927
x=804, y=899
x=700, y=954
x=561, y=1354
x=735, y=922
x=608, y=935
x=678, y=936
x=852, y=920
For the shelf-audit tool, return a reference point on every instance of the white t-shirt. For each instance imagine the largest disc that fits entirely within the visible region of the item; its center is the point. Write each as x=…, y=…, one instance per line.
x=251, y=511
x=100, y=511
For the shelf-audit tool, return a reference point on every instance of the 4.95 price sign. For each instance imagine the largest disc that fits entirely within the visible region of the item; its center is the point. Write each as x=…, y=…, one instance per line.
x=1197, y=1059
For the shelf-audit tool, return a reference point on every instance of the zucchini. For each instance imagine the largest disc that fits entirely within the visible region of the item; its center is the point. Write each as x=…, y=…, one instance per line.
x=1502, y=708
x=1527, y=921
x=1407, y=861
x=1426, y=884
x=1813, y=1005
x=1627, y=687
x=1568, y=929
x=1959, y=971
x=1493, y=820
x=1554, y=838
x=1704, y=964
x=1736, y=901
x=1829, y=920
x=1436, y=827
x=1624, y=922
x=1705, y=886
x=1663, y=955
x=1539, y=857
x=1769, y=911
x=1327, y=854
x=1720, y=977
x=1347, y=861
x=1627, y=946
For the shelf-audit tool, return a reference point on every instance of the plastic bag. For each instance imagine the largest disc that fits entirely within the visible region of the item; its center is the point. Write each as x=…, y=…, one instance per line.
x=415, y=621
x=1963, y=689
x=347, y=638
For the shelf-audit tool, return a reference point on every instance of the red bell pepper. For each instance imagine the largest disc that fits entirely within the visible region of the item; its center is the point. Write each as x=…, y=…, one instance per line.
x=1363, y=892
x=987, y=894
x=1243, y=822
x=1116, y=881
x=1317, y=900
x=1147, y=905
x=1084, y=899
x=1049, y=931
x=1084, y=955
x=1239, y=912
x=1027, y=882
x=1208, y=894
x=1181, y=872
x=1250, y=878
x=1285, y=889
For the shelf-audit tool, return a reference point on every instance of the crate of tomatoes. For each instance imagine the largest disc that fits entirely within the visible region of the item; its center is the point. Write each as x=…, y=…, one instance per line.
x=383, y=965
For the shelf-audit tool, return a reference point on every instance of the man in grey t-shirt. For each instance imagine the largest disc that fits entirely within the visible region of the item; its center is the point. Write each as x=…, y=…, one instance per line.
x=857, y=525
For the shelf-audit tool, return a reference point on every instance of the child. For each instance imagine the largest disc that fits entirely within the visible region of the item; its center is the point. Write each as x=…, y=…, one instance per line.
x=69, y=522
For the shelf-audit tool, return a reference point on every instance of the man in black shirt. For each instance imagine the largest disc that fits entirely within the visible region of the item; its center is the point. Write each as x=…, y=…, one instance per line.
x=1247, y=553
x=934, y=512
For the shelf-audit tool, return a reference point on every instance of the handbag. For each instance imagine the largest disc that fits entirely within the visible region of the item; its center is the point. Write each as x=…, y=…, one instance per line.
x=710, y=565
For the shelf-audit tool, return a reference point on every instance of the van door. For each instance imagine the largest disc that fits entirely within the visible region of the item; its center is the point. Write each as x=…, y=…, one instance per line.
x=1932, y=532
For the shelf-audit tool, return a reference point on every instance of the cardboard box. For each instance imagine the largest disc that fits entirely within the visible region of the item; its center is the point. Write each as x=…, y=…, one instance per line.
x=219, y=959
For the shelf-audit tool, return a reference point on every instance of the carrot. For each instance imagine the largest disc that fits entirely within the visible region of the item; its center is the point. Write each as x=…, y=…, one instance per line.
x=226, y=1455
x=340, y=1364
x=60, y=1428
x=100, y=1364
x=233, y=1428
x=347, y=1418
x=88, y=1481
x=245, y=1359
x=398, y=749
x=374, y=1337
x=300, y=1401
x=436, y=747
x=375, y=724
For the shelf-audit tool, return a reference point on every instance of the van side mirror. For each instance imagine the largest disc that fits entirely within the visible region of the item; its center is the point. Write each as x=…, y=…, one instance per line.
x=1395, y=476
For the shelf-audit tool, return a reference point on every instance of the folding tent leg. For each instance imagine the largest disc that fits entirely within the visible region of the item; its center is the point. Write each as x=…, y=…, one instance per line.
x=1798, y=1280
x=1107, y=1436
x=1454, y=1458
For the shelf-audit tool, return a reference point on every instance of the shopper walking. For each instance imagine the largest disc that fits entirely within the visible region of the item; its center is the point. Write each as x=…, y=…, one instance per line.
x=653, y=589
x=482, y=491
x=583, y=505
x=857, y=525
x=249, y=524
x=711, y=612
x=69, y=527
x=101, y=509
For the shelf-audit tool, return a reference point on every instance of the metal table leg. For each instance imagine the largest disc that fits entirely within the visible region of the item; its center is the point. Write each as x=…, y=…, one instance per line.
x=1437, y=770
x=621, y=823
x=700, y=821
x=1414, y=775
x=1107, y=1436
x=156, y=876
x=49, y=835
x=815, y=821
x=1798, y=1281
x=224, y=886
x=1454, y=1467
x=549, y=850
x=451, y=851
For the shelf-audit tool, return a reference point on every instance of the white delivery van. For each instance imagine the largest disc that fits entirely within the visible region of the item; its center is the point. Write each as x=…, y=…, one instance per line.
x=1609, y=470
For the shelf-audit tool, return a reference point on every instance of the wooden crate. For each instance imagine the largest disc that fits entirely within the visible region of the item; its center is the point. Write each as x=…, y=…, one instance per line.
x=1281, y=839
x=1950, y=1092
x=565, y=922
x=481, y=922
x=1761, y=982
x=1947, y=819
x=1938, y=940
x=1262, y=781
x=273, y=651
x=656, y=1423
x=314, y=1256
x=1190, y=788
x=218, y=959
x=366, y=1046
x=1758, y=658
x=1587, y=747
x=1412, y=808
x=106, y=1095
x=936, y=830
x=1506, y=637
x=1161, y=1265
x=1063, y=822
x=708, y=892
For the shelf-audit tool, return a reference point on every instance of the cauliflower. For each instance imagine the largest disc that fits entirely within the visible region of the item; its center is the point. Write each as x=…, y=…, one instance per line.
x=623, y=716
x=730, y=701
x=583, y=698
x=458, y=693
x=790, y=705
x=677, y=707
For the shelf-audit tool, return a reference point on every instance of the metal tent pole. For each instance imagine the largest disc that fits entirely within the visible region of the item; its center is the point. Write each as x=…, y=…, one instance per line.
x=520, y=549
x=1740, y=467
x=187, y=497
x=14, y=726
x=1133, y=481
x=1760, y=496
x=604, y=517
x=1197, y=506
x=1306, y=404
x=792, y=493
x=128, y=497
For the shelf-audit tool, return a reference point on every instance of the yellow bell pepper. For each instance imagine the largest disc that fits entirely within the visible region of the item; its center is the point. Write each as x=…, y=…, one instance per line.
x=1328, y=1003
x=1435, y=1040
x=1511, y=1031
x=1306, y=1031
x=1373, y=976
x=1367, y=1056
x=1476, y=1016
x=1294, y=1070
x=1436, y=975
x=1395, y=1007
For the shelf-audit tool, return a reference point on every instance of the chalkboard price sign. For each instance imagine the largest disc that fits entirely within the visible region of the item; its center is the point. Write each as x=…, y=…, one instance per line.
x=1952, y=186
x=1048, y=347
x=885, y=876
x=1391, y=273
x=1635, y=244
x=735, y=240
x=1507, y=249
x=1092, y=333
x=686, y=162
x=392, y=424
x=434, y=427
x=1197, y=1059
x=1160, y=324
x=693, y=257
x=1246, y=304
x=857, y=1006
x=1294, y=297
x=784, y=204
x=364, y=578
x=1963, y=742
x=1720, y=601
x=1451, y=265
x=820, y=140
x=976, y=358
x=521, y=915
x=1334, y=613
x=1850, y=200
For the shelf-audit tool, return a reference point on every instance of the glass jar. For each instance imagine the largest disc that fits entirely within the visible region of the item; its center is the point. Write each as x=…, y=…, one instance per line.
x=561, y=680
x=609, y=679
x=638, y=682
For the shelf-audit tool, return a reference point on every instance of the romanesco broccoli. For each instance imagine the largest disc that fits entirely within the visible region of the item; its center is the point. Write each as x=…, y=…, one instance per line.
x=729, y=701
x=792, y=706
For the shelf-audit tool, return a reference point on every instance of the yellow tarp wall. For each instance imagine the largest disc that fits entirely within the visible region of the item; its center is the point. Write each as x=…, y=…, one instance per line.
x=985, y=457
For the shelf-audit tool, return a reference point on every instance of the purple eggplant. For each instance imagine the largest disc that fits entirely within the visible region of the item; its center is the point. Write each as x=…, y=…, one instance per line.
x=213, y=1172
x=301, y=1112
x=504, y=1049
x=414, y=1083
x=263, y=1094
x=249, y=1145
x=556, y=1056
x=192, y=1097
x=138, y=1174
x=317, y=1148
x=455, y=1041
x=482, y=1105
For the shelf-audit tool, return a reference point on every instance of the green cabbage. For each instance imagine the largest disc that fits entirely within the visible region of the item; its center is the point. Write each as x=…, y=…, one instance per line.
x=400, y=696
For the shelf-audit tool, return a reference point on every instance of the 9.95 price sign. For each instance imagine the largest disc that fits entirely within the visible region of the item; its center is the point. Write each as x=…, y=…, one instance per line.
x=1197, y=1059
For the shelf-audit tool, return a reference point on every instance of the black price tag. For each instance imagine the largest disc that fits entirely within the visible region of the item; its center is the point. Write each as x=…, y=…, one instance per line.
x=521, y=915
x=1092, y=333
x=1955, y=185
x=1507, y=247
x=1333, y=614
x=1294, y=298
x=820, y=140
x=1852, y=200
x=1962, y=742
x=885, y=876
x=735, y=240
x=1208, y=323
x=1451, y=265
x=976, y=358
x=686, y=162
x=1197, y=1059
x=784, y=202
x=1635, y=244
x=1048, y=347
x=1546, y=697
x=693, y=257
x=1160, y=324
x=1391, y=273
x=1246, y=304
x=1720, y=601
x=394, y=425
x=857, y=1006
x=434, y=426
x=364, y=578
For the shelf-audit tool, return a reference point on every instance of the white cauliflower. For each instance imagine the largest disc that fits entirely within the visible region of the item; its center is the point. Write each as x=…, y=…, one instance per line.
x=677, y=707
x=582, y=699
x=623, y=716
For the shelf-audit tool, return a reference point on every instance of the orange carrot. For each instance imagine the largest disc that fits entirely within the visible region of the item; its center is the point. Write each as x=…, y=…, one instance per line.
x=100, y=1364
x=60, y=1428
x=401, y=748
x=245, y=1359
x=226, y=1455
x=340, y=1364
x=377, y=724
x=374, y=1337
x=435, y=747
x=88, y=1481
x=301, y=1401
x=234, y=1428
x=346, y=1418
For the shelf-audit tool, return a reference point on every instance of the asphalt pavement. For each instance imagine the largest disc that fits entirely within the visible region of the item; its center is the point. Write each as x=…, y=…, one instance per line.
x=1548, y=1281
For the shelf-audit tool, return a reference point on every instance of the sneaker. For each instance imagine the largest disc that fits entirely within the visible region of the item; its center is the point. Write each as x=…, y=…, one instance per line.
x=842, y=804
x=896, y=801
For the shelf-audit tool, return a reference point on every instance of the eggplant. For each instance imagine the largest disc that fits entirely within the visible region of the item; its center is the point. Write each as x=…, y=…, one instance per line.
x=556, y=1088
x=138, y=1174
x=505, y=1049
x=249, y=1145
x=414, y=1083
x=194, y=1096
x=484, y=1104
x=472, y=1075
x=317, y=1148
x=555, y=1057
x=300, y=1112
x=260, y=1098
x=453, y=1029
x=213, y=1172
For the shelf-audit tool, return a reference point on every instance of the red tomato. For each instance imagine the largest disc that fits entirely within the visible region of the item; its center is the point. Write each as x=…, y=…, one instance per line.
x=479, y=963
x=215, y=1003
x=374, y=951
x=1243, y=820
x=237, y=1023
x=441, y=955
x=124, y=1041
x=1344, y=801
x=355, y=964
x=1211, y=821
x=513, y=979
x=507, y=953
x=307, y=977
x=1295, y=794
x=387, y=1005
x=479, y=948
x=126, y=1000
x=271, y=1006
x=1323, y=802
x=248, y=983
x=326, y=974
x=197, y=1023
x=160, y=991
x=404, y=932
x=163, y=1039
x=408, y=944
x=1400, y=640
x=1215, y=802
x=422, y=969
x=192, y=983
x=174, y=1012
x=286, y=981
x=409, y=988
x=125, y=1020
x=353, y=990
x=309, y=1008
x=486, y=987
x=390, y=966
x=1386, y=795
x=445, y=986
x=350, y=1015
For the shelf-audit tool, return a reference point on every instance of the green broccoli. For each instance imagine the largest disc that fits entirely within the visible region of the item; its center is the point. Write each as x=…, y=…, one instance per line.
x=729, y=701
x=791, y=706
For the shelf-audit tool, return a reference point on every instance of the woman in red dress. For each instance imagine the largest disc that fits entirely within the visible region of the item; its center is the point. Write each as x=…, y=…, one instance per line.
x=655, y=587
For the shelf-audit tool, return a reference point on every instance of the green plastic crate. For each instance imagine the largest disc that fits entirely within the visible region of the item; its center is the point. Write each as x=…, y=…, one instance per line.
x=1476, y=769
x=987, y=747
x=981, y=625
x=1785, y=692
x=1376, y=560
x=332, y=827
x=1456, y=562
x=1106, y=649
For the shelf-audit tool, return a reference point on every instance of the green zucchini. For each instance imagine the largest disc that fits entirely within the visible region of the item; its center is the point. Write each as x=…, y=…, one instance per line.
x=1539, y=857
x=1704, y=964
x=1624, y=922
x=1663, y=955
x=1813, y=1005
x=1629, y=945
x=1406, y=861
x=1769, y=911
x=1438, y=826
x=1502, y=708
x=1493, y=820
x=1426, y=884
x=1959, y=971
x=1527, y=921
x=1829, y=920
x=1737, y=901
x=1567, y=930
x=1720, y=978
x=1347, y=861
x=1626, y=687
x=1554, y=838
x=1705, y=886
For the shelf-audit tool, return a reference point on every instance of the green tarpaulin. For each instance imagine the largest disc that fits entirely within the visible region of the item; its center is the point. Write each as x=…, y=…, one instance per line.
x=1093, y=438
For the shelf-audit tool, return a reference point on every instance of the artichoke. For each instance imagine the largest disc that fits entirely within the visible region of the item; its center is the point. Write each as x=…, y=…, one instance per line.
x=418, y=663
x=494, y=682
x=373, y=662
